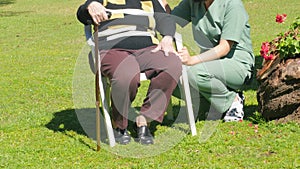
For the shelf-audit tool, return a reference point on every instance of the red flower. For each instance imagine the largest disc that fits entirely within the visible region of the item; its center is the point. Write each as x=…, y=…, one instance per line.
x=280, y=18
x=265, y=46
x=269, y=57
x=264, y=52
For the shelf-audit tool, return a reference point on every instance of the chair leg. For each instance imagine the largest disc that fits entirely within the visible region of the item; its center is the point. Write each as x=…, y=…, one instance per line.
x=185, y=83
x=170, y=114
x=105, y=110
x=109, y=128
x=188, y=101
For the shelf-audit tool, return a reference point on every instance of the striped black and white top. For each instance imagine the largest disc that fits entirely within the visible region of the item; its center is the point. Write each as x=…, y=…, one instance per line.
x=133, y=24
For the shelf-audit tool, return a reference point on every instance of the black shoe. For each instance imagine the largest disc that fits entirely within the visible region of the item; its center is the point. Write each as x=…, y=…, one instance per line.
x=144, y=135
x=122, y=136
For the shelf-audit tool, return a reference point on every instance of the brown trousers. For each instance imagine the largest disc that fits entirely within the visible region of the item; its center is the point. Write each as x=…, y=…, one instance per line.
x=123, y=68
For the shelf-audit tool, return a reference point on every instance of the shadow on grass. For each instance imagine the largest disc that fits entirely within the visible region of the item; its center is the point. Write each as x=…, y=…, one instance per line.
x=253, y=84
x=6, y=2
x=169, y=120
x=65, y=121
x=10, y=13
x=250, y=112
x=83, y=122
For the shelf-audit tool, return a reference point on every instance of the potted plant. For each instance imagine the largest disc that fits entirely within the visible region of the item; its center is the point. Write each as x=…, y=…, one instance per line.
x=278, y=93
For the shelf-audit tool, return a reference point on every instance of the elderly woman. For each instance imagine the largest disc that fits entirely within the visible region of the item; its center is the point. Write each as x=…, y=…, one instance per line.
x=128, y=46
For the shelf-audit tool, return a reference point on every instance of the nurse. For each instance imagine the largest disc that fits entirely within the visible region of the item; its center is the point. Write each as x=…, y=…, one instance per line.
x=221, y=70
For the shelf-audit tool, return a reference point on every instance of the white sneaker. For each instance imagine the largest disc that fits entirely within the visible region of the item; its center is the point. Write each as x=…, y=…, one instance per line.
x=235, y=112
x=242, y=97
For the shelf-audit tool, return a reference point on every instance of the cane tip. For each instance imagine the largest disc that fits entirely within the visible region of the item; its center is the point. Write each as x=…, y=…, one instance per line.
x=98, y=148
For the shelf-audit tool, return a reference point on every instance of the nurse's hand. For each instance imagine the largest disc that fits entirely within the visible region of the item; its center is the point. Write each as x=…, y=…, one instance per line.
x=185, y=57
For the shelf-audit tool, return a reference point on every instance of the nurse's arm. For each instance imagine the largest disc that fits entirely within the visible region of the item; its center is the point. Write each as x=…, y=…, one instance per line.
x=217, y=52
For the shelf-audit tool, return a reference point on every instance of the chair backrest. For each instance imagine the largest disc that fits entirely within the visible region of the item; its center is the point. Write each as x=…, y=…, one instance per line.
x=90, y=41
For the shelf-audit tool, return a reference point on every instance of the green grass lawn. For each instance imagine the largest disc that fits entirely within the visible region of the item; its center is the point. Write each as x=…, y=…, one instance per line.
x=42, y=59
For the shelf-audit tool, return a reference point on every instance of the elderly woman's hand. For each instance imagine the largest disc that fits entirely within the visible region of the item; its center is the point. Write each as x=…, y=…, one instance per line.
x=166, y=45
x=97, y=12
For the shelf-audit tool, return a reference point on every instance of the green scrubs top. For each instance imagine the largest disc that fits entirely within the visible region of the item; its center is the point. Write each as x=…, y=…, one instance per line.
x=224, y=19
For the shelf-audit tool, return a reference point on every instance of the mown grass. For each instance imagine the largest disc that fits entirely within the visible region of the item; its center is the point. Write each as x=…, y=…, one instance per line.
x=40, y=124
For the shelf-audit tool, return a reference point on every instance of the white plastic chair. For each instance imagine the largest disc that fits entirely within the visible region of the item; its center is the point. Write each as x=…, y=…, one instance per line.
x=104, y=89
